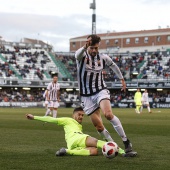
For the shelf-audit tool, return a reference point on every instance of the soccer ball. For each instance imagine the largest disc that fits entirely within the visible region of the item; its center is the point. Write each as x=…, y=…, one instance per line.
x=110, y=150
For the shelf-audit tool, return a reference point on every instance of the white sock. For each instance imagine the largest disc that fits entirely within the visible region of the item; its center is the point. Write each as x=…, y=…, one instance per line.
x=118, y=127
x=106, y=135
x=141, y=108
x=54, y=113
x=47, y=112
x=149, y=109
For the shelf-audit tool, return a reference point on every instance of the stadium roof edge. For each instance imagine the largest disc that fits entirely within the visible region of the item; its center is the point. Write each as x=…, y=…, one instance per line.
x=126, y=33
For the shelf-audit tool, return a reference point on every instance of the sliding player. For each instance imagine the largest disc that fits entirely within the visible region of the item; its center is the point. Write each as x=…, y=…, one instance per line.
x=78, y=143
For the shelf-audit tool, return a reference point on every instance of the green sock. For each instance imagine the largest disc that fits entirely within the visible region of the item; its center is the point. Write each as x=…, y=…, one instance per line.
x=100, y=144
x=81, y=152
x=121, y=151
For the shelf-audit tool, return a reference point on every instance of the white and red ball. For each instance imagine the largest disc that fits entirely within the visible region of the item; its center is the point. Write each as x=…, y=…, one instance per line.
x=110, y=150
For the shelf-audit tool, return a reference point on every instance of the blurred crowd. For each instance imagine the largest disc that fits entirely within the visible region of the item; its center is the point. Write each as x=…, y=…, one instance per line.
x=125, y=63
x=36, y=95
x=30, y=59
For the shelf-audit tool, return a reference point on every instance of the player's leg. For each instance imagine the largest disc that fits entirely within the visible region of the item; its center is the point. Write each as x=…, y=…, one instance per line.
x=138, y=105
x=107, y=111
x=55, y=105
x=97, y=122
x=87, y=146
x=47, y=108
x=54, y=112
x=91, y=108
x=79, y=152
x=114, y=120
x=93, y=142
x=137, y=108
x=141, y=108
x=148, y=107
x=78, y=146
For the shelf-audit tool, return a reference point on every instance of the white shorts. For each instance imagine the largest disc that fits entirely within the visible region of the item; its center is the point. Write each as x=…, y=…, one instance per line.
x=53, y=104
x=91, y=103
x=145, y=102
x=46, y=102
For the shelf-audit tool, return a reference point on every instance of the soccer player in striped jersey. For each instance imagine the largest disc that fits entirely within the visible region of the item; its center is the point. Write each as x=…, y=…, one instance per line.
x=93, y=90
x=53, y=95
x=145, y=101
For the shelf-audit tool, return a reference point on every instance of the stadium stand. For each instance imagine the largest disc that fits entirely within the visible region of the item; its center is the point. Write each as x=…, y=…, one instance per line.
x=26, y=63
x=156, y=67
x=127, y=64
x=34, y=63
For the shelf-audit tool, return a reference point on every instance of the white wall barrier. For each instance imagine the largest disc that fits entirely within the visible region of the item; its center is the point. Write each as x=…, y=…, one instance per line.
x=70, y=104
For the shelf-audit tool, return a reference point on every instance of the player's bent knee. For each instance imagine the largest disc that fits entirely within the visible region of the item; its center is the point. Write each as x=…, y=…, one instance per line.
x=93, y=152
x=109, y=116
x=100, y=128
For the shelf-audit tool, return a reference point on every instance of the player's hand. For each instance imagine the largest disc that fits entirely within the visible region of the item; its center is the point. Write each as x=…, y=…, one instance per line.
x=30, y=116
x=88, y=43
x=58, y=100
x=123, y=85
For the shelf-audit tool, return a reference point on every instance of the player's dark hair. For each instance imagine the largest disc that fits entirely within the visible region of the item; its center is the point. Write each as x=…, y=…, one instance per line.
x=94, y=38
x=54, y=75
x=77, y=109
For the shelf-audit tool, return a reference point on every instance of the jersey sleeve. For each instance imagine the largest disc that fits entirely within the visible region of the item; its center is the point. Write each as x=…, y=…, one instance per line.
x=80, y=53
x=109, y=62
x=58, y=86
x=58, y=121
x=48, y=87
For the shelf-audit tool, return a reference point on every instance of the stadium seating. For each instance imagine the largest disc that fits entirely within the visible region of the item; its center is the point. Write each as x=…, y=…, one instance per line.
x=156, y=67
x=32, y=64
x=27, y=63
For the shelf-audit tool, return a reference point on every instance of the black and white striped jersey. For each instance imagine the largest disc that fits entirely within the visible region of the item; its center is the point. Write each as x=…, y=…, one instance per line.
x=89, y=71
x=52, y=90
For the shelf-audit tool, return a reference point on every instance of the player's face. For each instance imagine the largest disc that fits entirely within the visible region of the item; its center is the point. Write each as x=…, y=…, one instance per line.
x=55, y=79
x=78, y=116
x=93, y=50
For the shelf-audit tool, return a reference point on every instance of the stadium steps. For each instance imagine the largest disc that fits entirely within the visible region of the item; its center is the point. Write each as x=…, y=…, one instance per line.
x=11, y=67
x=62, y=69
x=47, y=75
x=139, y=66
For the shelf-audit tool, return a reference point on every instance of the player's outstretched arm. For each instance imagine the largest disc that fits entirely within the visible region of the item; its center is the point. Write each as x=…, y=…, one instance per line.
x=123, y=85
x=58, y=121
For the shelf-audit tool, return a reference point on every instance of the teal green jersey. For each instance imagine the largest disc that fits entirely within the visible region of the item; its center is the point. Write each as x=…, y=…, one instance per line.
x=71, y=126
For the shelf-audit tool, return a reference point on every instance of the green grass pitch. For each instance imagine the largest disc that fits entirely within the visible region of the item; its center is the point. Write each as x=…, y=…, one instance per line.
x=31, y=145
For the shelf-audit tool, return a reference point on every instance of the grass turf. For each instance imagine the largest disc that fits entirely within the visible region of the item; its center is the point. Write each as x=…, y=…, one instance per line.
x=32, y=145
